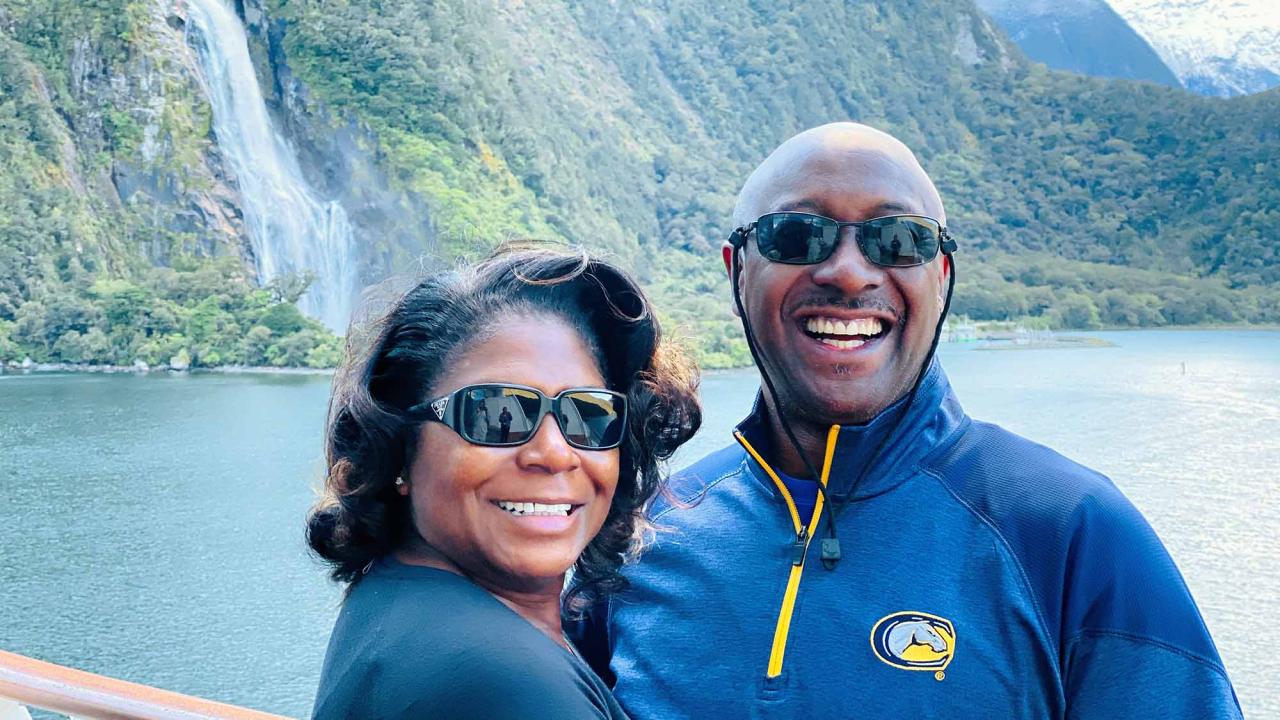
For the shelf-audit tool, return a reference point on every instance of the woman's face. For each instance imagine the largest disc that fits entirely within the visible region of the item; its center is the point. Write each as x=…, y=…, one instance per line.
x=455, y=487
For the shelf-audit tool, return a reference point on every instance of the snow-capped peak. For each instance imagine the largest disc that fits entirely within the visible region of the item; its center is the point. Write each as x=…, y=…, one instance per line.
x=1215, y=47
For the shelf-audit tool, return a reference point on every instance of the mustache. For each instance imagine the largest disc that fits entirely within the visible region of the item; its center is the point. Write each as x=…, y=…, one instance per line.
x=861, y=302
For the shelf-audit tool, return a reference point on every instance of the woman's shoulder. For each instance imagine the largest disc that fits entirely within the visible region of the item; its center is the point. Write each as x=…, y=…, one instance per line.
x=416, y=642
x=411, y=606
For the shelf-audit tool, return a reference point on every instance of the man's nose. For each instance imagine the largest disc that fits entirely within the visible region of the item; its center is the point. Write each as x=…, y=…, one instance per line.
x=547, y=450
x=848, y=270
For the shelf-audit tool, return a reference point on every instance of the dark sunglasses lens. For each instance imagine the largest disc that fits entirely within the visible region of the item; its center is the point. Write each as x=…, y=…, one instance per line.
x=593, y=419
x=900, y=241
x=796, y=238
x=499, y=415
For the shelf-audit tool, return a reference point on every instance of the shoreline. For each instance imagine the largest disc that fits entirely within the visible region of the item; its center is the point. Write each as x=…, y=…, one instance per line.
x=34, y=368
x=1067, y=339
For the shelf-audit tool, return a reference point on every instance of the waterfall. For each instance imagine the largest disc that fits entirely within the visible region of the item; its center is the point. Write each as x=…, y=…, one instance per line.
x=291, y=229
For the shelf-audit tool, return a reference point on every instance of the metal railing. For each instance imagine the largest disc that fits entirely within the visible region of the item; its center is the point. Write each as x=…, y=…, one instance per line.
x=25, y=682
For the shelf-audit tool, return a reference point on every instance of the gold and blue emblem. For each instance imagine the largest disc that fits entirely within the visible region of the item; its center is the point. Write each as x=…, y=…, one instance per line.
x=915, y=641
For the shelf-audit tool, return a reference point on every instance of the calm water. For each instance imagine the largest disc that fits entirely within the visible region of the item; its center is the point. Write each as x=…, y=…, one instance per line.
x=151, y=528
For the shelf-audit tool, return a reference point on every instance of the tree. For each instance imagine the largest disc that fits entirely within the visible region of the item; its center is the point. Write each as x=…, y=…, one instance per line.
x=1076, y=311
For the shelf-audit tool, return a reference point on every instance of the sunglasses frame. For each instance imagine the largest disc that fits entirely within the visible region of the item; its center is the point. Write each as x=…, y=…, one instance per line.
x=445, y=409
x=946, y=244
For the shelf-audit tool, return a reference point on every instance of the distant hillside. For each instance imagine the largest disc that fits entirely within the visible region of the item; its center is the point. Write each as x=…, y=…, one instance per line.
x=1082, y=36
x=444, y=126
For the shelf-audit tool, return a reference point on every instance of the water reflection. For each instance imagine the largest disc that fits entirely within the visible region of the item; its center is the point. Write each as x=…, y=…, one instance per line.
x=152, y=527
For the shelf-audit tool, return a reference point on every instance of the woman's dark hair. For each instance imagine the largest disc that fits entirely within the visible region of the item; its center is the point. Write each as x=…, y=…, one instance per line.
x=370, y=439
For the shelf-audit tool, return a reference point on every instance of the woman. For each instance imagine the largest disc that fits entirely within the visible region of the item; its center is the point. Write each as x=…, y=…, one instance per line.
x=455, y=546
x=480, y=421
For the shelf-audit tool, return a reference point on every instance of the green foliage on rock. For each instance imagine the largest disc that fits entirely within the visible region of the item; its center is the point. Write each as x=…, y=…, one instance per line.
x=205, y=315
x=639, y=146
x=627, y=127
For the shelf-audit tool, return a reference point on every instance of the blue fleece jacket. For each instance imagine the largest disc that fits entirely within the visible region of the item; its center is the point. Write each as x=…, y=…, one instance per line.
x=982, y=576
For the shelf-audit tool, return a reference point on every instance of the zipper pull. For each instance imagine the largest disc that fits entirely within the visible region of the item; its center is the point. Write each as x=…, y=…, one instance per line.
x=799, y=547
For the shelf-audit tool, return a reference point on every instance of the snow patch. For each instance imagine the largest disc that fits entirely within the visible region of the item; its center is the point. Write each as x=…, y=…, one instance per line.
x=1215, y=47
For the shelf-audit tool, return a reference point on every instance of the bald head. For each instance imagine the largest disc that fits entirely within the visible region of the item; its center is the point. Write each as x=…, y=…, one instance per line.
x=841, y=157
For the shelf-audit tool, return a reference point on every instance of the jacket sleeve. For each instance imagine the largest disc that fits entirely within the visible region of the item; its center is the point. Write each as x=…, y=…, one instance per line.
x=590, y=635
x=1134, y=642
x=1112, y=675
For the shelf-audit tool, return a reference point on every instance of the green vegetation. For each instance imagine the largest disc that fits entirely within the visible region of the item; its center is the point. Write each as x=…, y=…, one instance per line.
x=1066, y=294
x=631, y=125
x=195, y=315
x=628, y=127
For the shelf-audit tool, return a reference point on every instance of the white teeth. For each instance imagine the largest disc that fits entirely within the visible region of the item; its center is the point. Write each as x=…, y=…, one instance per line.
x=842, y=344
x=533, y=508
x=834, y=326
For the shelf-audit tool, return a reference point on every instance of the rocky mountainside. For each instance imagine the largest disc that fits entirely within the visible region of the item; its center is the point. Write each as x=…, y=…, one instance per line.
x=443, y=127
x=1215, y=47
x=1082, y=36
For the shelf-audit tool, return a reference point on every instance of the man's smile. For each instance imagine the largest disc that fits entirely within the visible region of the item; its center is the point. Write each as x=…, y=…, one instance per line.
x=844, y=334
x=845, y=331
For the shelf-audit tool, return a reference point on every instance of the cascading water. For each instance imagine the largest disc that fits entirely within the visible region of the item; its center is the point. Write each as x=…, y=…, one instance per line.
x=292, y=230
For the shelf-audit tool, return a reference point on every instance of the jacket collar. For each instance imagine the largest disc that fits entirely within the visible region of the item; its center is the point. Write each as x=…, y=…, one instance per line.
x=908, y=435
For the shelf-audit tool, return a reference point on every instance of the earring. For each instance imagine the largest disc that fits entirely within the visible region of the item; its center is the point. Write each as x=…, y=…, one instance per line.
x=399, y=481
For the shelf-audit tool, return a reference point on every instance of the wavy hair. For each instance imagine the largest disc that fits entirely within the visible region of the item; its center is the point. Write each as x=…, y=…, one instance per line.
x=370, y=439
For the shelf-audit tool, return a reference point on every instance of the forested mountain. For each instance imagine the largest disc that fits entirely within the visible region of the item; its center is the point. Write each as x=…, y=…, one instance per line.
x=445, y=126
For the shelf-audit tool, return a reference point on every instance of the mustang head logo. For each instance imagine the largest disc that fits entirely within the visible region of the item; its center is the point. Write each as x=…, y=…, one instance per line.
x=915, y=641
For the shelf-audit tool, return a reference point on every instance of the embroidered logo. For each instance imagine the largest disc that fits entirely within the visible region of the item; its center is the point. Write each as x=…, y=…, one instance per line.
x=915, y=641
x=439, y=406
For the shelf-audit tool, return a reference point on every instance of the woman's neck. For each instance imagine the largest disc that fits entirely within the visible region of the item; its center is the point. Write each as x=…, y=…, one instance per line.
x=539, y=605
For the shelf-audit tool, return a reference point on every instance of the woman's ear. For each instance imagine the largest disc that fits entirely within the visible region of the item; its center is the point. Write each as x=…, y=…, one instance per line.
x=402, y=487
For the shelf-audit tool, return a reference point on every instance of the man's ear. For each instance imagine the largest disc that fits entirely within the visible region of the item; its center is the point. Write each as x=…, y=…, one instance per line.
x=726, y=254
x=944, y=274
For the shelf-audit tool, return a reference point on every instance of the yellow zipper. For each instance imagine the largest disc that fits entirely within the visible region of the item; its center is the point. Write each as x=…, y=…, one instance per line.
x=804, y=535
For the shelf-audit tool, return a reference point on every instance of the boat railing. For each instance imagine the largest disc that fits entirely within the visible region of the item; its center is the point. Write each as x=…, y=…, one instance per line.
x=29, y=683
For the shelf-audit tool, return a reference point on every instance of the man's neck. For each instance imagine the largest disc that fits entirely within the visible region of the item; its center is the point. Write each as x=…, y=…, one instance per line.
x=783, y=453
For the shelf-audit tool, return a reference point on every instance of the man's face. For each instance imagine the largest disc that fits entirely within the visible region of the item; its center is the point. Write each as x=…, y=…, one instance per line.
x=842, y=339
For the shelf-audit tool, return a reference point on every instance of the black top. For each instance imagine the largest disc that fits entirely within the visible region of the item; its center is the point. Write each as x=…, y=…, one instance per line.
x=416, y=642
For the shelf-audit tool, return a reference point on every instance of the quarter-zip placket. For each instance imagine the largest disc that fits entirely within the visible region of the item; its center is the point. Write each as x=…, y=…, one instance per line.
x=800, y=547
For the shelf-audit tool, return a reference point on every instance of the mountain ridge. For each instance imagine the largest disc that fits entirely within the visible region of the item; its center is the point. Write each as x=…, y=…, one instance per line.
x=1086, y=37
x=463, y=123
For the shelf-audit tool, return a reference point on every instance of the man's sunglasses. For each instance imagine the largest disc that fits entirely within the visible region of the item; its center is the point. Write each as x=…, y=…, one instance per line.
x=797, y=238
x=505, y=415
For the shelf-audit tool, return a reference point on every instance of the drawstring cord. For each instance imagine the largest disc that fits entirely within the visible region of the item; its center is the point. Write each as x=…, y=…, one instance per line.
x=830, y=554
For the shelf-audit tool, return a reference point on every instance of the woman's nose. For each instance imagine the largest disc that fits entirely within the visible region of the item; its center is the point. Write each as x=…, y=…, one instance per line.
x=547, y=450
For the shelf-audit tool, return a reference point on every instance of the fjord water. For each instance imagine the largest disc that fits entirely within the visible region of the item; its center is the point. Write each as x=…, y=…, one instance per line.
x=293, y=231
x=152, y=526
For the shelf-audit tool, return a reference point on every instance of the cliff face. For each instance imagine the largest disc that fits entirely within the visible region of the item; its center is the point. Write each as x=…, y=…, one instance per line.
x=341, y=156
x=122, y=135
x=117, y=121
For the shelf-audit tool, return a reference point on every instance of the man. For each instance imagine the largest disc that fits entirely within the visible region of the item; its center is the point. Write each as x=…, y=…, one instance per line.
x=504, y=424
x=968, y=573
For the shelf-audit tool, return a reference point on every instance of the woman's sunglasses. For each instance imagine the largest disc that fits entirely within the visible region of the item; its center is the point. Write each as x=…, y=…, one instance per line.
x=505, y=415
x=797, y=238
